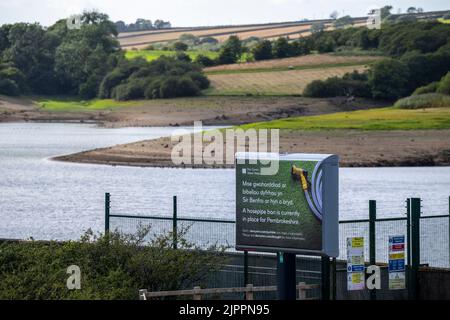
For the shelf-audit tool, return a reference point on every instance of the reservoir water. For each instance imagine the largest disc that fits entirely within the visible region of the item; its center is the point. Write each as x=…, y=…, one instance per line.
x=45, y=199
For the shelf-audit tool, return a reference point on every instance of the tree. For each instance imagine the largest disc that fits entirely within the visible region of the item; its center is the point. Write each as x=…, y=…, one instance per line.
x=180, y=46
x=325, y=44
x=281, y=48
x=204, y=61
x=231, y=51
x=343, y=22
x=334, y=15
x=388, y=79
x=317, y=27
x=262, y=50
x=411, y=10
x=385, y=12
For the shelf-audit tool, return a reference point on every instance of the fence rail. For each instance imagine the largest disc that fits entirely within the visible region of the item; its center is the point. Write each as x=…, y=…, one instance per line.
x=249, y=291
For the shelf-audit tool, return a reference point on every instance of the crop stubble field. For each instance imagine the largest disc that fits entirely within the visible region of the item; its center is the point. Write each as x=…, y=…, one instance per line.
x=291, y=82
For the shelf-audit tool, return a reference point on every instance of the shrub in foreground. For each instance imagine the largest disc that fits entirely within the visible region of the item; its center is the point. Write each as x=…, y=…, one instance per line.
x=113, y=266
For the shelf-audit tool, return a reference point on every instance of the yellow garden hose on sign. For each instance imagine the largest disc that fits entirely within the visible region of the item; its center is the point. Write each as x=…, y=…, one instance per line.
x=312, y=189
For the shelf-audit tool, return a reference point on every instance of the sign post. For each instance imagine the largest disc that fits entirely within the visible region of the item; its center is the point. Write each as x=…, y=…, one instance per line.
x=355, y=264
x=397, y=276
x=290, y=210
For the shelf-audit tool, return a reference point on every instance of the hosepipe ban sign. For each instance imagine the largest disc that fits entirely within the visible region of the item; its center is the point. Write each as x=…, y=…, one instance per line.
x=287, y=203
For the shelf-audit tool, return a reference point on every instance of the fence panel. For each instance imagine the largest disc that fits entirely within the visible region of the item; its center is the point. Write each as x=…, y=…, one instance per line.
x=434, y=249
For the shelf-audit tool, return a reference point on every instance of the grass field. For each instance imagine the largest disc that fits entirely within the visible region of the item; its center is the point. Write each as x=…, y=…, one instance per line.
x=151, y=55
x=390, y=118
x=442, y=20
x=75, y=104
x=291, y=82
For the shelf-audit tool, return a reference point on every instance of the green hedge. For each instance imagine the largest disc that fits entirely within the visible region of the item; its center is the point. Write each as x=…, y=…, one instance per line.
x=112, y=267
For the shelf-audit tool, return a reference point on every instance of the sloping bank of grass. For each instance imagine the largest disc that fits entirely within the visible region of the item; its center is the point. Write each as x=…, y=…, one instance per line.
x=391, y=118
x=151, y=55
x=71, y=104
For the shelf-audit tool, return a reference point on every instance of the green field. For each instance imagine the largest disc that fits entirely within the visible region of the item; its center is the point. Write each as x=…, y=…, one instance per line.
x=390, y=118
x=75, y=104
x=151, y=55
x=442, y=20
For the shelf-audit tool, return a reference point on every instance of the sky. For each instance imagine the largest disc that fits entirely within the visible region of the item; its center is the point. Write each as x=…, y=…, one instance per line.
x=201, y=12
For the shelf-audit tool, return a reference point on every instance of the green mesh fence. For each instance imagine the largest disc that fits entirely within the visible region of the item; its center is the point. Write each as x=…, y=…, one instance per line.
x=204, y=233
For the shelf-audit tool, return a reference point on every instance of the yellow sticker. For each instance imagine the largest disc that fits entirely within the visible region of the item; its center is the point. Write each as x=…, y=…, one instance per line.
x=357, y=242
x=397, y=256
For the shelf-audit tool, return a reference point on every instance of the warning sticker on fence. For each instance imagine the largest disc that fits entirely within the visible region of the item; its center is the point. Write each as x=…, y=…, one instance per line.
x=355, y=264
x=397, y=276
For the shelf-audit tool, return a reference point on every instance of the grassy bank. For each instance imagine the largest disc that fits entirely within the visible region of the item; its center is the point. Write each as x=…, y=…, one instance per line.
x=73, y=104
x=151, y=55
x=391, y=118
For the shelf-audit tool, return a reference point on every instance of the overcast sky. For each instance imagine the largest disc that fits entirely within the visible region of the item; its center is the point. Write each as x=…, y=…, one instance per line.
x=200, y=12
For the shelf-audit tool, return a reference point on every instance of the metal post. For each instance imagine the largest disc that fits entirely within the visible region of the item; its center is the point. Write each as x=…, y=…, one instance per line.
x=286, y=276
x=408, y=244
x=107, y=210
x=174, y=223
x=415, y=246
x=245, y=270
x=334, y=281
x=372, y=239
x=325, y=278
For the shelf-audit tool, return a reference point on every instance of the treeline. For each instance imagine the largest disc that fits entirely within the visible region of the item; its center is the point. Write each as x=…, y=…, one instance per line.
x=419, y=53
x=142, y=25
x=87, y=62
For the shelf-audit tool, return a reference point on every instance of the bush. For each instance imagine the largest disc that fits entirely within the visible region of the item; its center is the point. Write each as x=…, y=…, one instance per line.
x=334, y=87
x=199, y=79
x=444, y=85
x=9, y=87
x=180, y=46
x=262, y=50
x=152, y=91
x=129, y=91
x=173, y=87
x=388, y=79
x=113, y=266
x=325, y=44
x=423, y=101
x=181, y=56
x=281, y=48
x=430, y=88
x=204, y=61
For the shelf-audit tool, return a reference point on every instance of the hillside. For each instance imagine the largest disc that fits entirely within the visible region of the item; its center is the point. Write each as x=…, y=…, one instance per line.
x=294, y=30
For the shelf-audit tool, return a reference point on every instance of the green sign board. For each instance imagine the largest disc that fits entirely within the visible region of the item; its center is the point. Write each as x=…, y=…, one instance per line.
x=287, y=203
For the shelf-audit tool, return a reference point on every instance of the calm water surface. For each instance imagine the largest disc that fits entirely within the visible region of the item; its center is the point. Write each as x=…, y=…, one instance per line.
x=45, y=199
